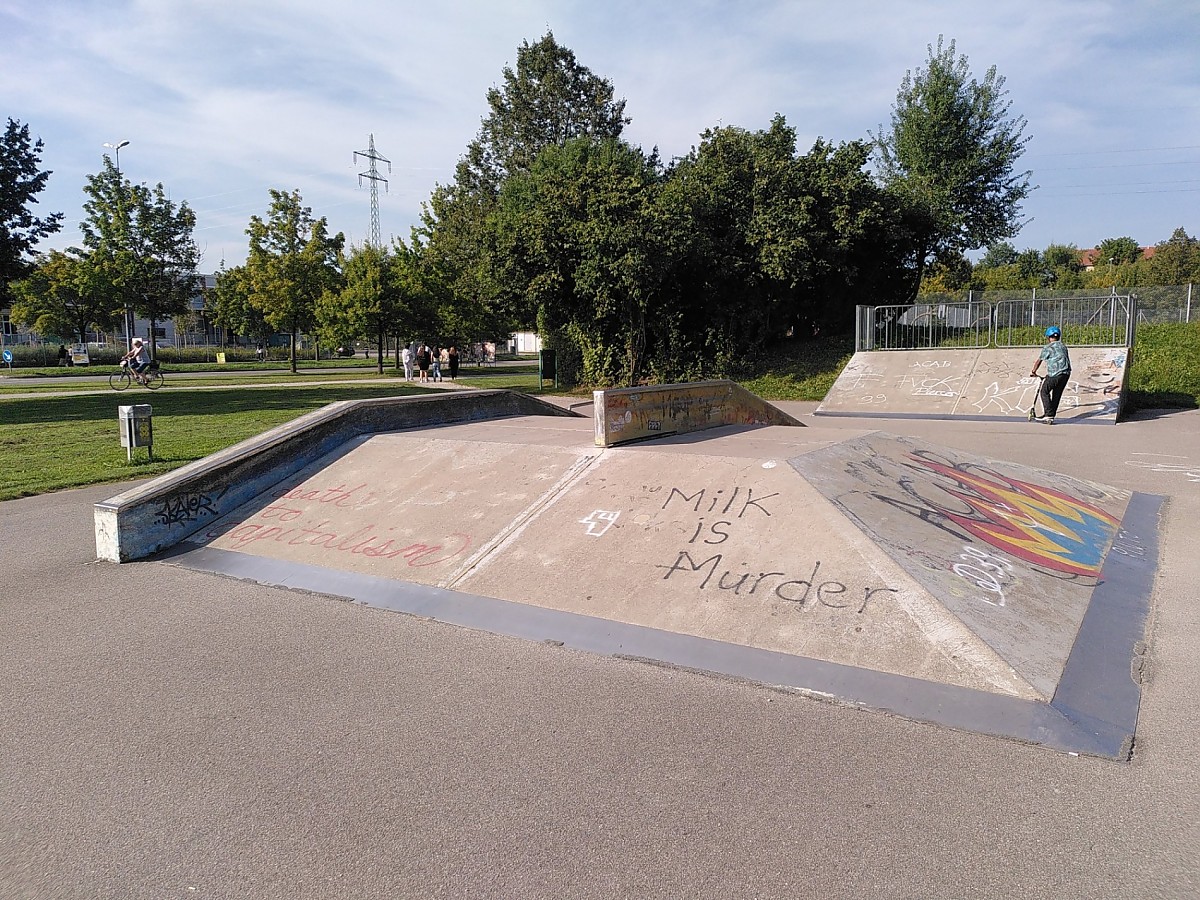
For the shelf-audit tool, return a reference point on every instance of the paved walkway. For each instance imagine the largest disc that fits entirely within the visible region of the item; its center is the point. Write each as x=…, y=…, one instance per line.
x=73, y=386
x=166, y=732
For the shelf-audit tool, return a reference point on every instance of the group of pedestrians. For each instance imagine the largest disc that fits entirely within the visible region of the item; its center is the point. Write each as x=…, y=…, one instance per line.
x=429, y=362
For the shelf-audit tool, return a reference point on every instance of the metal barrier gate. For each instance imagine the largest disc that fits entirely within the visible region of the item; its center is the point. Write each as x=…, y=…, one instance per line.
x=1105, y=321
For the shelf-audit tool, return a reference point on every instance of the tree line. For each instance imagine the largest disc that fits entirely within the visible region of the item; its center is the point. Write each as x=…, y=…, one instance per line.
x=631, y=267
x=1115, y=263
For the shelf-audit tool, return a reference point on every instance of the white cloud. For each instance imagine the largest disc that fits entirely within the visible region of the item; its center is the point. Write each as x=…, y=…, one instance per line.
x=223, y=100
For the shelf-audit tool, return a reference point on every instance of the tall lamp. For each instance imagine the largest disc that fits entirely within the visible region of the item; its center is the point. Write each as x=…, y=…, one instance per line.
x=116, y=149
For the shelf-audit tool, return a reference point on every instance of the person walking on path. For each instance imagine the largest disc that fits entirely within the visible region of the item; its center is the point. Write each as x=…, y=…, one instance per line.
x=406, y=357
x=436, y=363
x=452, y=359
x=1058, y=373
x=423, y=357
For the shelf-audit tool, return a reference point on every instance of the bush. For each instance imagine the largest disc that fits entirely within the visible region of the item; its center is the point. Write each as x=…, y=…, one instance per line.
x=1166, y=365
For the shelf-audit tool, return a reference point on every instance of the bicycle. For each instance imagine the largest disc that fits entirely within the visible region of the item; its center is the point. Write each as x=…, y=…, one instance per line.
x=120, y=381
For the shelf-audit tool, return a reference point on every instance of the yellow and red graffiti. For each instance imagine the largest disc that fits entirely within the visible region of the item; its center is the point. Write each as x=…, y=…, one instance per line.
x=1037, y=524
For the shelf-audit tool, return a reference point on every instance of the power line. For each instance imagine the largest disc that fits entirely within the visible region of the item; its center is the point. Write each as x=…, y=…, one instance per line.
x=1126, y=184
x=1184, y=162
x=1128, y=150
x=1125, y=193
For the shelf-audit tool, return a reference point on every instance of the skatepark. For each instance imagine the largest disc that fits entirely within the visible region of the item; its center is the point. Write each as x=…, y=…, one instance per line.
x=818, y=654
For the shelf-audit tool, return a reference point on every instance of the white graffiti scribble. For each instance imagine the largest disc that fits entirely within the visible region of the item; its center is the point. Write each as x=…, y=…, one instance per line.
x=1007, y=400
x=1019, y=397
x=599, y=519
x=860, y=380
x=930, y=385
x=1190, y=472
x=986, y=571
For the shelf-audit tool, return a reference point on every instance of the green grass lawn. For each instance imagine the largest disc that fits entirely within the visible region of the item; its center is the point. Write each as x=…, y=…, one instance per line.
x=1166, y=366
x=802, y=370
x=52, y=443
x=49, y=443
x=476, y=376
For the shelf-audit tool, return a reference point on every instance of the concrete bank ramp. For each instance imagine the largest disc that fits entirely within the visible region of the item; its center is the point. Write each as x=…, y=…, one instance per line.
x=955, y=383
x=855, y=565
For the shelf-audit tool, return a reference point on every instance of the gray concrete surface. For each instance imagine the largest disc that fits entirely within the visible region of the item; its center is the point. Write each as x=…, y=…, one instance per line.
x=967, y=383
x=166, y=732
x=160, y=513
x=881, y=571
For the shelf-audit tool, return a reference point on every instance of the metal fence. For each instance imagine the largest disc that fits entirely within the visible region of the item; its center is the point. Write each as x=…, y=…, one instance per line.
x=923, y=325
x=1085, y=321
x=1171, y=303
x=1088, y=321
x=1155, y=303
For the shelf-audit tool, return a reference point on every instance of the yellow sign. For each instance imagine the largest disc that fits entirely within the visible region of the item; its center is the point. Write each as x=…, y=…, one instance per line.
x=221, y=358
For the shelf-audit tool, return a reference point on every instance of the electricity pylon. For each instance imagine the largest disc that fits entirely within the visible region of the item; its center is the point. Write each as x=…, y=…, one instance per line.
x=372, y=175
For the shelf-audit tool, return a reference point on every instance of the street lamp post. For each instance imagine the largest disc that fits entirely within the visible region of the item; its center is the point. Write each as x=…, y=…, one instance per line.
x=116, y=149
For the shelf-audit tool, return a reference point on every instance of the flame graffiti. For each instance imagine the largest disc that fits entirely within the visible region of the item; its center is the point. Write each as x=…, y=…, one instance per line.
x=1037, y=524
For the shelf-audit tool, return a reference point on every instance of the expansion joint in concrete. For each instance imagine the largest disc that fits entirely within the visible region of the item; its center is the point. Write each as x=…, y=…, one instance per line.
x=485, y=553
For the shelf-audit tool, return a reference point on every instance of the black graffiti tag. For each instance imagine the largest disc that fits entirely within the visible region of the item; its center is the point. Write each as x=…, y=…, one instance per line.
x=184, y=508
x=779, y=584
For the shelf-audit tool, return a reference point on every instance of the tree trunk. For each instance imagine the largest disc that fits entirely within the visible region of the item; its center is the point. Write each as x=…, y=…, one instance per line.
x=382, y=334
x=292, y=350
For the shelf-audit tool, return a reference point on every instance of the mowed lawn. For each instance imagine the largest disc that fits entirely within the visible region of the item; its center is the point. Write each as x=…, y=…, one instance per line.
x=52, y=443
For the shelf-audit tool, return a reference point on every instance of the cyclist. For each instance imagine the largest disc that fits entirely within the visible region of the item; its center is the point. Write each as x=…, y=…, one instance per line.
x=138, y=359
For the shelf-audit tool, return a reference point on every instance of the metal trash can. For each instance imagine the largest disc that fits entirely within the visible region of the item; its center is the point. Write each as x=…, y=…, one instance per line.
x=137, y=428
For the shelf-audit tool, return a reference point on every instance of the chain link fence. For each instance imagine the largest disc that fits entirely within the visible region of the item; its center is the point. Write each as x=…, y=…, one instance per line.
x=1157, y=303
x=1009, y=321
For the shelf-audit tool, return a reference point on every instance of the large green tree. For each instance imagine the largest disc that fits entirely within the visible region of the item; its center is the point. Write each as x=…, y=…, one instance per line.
x=231, y=309
x=577, y=240
x=771, y=242
x=292, y=262
x=950, y=155
x=20, y=183
x=548, y=99
x=141, y=242
x=1117, y=251
x=1176, y=260
x=1002, y=253
x=64, y=295
x=374, y=299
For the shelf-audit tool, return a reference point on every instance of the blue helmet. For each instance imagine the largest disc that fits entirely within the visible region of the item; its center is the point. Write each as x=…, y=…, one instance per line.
x=1054, y=331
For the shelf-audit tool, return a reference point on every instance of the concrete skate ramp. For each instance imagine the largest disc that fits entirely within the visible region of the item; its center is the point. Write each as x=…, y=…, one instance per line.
x=857, y=566
x=163, y=511
x=955, y=383
x=624, y=415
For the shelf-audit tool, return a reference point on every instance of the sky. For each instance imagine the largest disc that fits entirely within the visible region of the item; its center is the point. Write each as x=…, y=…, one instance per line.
x=223, y=101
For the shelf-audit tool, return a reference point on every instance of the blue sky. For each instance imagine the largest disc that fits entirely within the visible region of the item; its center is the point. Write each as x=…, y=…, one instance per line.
x=222, y=101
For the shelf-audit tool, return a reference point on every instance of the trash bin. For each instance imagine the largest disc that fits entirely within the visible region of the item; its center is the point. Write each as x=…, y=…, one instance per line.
x=137, y=428
x=547, y=367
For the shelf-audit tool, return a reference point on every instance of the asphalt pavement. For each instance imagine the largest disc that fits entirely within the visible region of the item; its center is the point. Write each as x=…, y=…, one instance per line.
x=171, y=733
